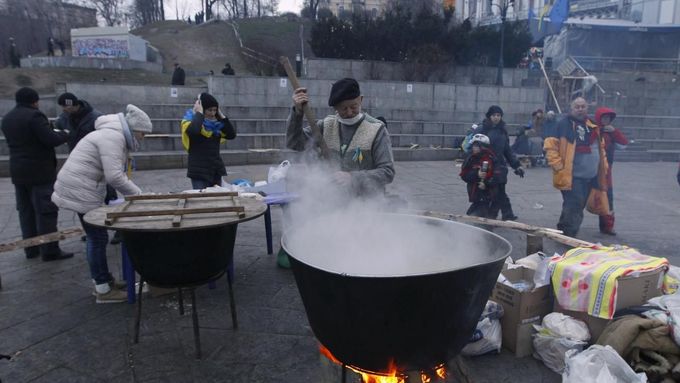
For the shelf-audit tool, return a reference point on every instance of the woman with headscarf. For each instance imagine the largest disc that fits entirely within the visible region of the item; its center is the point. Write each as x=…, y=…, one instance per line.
x=204, y=128
x=101, y=158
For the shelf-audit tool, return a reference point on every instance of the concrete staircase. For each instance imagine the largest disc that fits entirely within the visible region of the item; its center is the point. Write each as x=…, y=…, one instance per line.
x=416, y=135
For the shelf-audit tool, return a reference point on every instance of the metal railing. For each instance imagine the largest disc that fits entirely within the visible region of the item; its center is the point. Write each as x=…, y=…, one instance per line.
x=618, y=64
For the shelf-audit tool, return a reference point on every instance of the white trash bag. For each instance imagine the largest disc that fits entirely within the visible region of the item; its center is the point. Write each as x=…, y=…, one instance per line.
x=564, y=326
x=278, y=173
x=599, y=364
x=557, y=335
x=551, y=350
x=487, y=337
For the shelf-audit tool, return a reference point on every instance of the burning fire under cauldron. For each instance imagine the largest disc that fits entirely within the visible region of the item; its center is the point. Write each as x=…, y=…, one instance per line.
x=393, y=297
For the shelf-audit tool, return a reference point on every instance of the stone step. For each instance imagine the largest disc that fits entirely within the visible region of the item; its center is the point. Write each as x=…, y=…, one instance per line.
x=651, y=133
x=177, y=159
x=647, y=156
x=659, y=144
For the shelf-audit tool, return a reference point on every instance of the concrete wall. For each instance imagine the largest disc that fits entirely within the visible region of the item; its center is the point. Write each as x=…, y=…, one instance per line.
x=381, y=96
x=90, y=63
x=425, y=101
x=392, y=71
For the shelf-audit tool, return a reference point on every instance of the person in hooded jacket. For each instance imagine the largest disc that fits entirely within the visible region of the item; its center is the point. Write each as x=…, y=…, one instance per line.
x=479, y=173
x=613, y=139
x=99, y=159
x=494, y=128
x=204, y=128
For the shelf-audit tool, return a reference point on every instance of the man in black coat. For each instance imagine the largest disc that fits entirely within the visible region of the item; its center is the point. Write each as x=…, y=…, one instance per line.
x=77, y=118
x=178, y=75
x=33, y=169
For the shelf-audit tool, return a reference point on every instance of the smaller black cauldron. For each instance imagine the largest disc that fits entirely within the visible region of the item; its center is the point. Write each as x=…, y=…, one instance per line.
x=181, y=258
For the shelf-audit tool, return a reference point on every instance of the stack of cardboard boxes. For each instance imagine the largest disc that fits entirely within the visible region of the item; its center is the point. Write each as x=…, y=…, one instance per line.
x=526, y=307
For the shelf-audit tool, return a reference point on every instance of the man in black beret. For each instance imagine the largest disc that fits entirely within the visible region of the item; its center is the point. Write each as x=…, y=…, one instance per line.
x=357, y=142
x=33, y=169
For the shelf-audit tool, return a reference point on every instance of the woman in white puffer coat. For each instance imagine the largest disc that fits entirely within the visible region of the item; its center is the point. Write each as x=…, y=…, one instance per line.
x=98, y=159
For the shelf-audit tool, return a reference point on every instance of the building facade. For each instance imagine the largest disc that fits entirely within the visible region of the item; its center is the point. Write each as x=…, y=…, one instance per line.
x=650, y=12
x=374, y=8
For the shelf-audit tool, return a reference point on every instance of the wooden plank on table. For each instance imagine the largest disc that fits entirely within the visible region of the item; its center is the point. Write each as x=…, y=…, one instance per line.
x=139, y=197
x=119, y=208
x=42, y=239
x=177, y=220
x=152, y=213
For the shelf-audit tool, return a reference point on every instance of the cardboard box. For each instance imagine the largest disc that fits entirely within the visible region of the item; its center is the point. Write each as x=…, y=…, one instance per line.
x=521, y=310
x=631, y=291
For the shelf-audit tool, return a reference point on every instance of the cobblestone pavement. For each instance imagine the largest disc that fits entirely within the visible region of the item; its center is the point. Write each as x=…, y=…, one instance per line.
x=55, y=332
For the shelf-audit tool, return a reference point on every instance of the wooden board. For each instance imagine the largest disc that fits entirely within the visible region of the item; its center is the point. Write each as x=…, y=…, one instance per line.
x=159, y=213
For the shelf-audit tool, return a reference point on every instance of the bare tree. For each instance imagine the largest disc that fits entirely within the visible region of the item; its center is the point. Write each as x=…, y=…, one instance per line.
x=146, y=11
x=313, y=6
x=109, y=10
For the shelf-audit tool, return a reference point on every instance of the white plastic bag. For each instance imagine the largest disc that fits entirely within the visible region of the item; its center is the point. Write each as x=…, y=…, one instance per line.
x=670, y=304
x=277, y=173
x=487, y=336
x=557, y=335
x=599, y=364
x=564, y=326
x=552, y=350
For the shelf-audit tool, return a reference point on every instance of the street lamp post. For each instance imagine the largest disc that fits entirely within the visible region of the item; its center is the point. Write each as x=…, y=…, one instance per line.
x=503, y=7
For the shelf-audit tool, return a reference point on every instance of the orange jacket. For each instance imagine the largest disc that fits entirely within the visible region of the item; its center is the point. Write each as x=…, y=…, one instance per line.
x=560, y=149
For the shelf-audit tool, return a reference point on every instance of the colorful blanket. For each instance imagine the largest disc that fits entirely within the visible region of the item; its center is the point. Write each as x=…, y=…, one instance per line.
x=586, y=279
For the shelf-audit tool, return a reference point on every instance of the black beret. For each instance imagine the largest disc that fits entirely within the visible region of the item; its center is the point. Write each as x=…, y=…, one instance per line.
x=67, y=99
x=345, y=89
x=26, y=96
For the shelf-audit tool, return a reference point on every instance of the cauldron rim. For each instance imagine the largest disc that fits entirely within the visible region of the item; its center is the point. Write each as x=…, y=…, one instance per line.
x=285, y=247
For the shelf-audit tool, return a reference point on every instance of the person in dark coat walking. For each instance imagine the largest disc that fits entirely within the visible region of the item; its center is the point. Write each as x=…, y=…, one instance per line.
x=178, y=75
x=14, y=55
x=33, y=169
x=50, y=46
x=204, y=128
x=228, y=70
x=494, y=128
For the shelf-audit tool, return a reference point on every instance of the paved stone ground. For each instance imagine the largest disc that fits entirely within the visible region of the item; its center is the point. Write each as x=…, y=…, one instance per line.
x=55, y=332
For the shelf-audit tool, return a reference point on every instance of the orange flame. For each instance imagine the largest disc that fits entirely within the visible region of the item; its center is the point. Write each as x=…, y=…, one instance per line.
x=391, y=376
x=440, y=371
x=323, y=350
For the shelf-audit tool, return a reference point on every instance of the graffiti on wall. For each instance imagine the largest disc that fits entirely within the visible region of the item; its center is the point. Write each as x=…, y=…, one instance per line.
x=101, y=47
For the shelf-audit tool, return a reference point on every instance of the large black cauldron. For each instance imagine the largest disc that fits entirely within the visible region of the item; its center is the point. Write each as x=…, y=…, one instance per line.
x=413, y=321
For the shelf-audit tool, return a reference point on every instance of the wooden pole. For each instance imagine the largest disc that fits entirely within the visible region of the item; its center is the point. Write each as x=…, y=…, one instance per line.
x=545, y=232
x=309, y=114
x=41, y=239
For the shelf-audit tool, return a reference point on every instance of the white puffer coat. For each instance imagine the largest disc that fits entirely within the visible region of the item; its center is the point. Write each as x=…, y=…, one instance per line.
x=98, y=159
